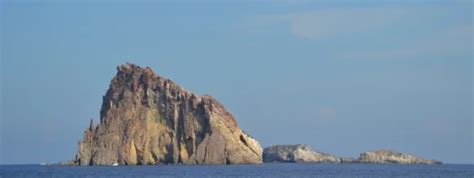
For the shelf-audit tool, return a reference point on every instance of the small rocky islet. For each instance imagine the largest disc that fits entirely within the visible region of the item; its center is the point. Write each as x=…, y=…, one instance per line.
x=303, y=153
x=146, y=119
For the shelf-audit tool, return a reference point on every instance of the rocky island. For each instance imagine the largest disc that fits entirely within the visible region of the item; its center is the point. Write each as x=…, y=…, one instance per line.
x=297, y=153
x=303, y=153
x=388, y=156
x=146, y=119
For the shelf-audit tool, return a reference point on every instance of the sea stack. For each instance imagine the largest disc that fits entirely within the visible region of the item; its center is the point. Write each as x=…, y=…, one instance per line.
x=146, y=119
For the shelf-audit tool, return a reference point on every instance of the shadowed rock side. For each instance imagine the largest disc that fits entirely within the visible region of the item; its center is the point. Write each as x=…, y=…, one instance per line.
x=387, y=156
x=297, y=153
x=147, y=119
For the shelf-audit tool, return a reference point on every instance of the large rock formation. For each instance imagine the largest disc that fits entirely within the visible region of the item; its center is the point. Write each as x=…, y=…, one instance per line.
x=297, y=153
x=387, y=156
x=147, y=119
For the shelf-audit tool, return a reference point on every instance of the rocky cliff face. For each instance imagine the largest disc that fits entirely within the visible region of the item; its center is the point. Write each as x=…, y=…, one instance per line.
x=147, y=119
x=386, y=156
x=297, y=153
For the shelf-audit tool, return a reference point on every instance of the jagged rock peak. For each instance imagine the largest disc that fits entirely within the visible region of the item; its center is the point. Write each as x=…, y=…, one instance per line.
x=147, y=119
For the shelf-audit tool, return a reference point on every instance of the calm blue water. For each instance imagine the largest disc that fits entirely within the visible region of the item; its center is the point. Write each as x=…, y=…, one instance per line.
x=295, y=170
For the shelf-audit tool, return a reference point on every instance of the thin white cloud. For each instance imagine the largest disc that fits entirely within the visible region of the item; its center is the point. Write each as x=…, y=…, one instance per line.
x=327, y=23
x=422, y=25
x=336, y=22
x=450, y=42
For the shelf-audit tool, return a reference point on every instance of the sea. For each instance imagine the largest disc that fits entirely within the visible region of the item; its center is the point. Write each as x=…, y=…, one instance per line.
x=273, y=170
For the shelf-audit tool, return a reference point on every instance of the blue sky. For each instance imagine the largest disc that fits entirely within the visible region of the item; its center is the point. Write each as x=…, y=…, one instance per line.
x=341, y=76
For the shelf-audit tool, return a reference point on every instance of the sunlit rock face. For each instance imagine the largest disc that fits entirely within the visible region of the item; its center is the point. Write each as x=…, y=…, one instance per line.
x=147, y=119
x=387, y=156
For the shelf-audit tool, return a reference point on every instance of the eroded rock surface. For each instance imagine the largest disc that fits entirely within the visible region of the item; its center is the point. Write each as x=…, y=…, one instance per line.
x=297, y=153
x=147, y=119
x=387, y=156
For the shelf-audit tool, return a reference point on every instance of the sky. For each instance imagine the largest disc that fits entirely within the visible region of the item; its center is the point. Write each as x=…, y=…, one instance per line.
x=343, y=77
